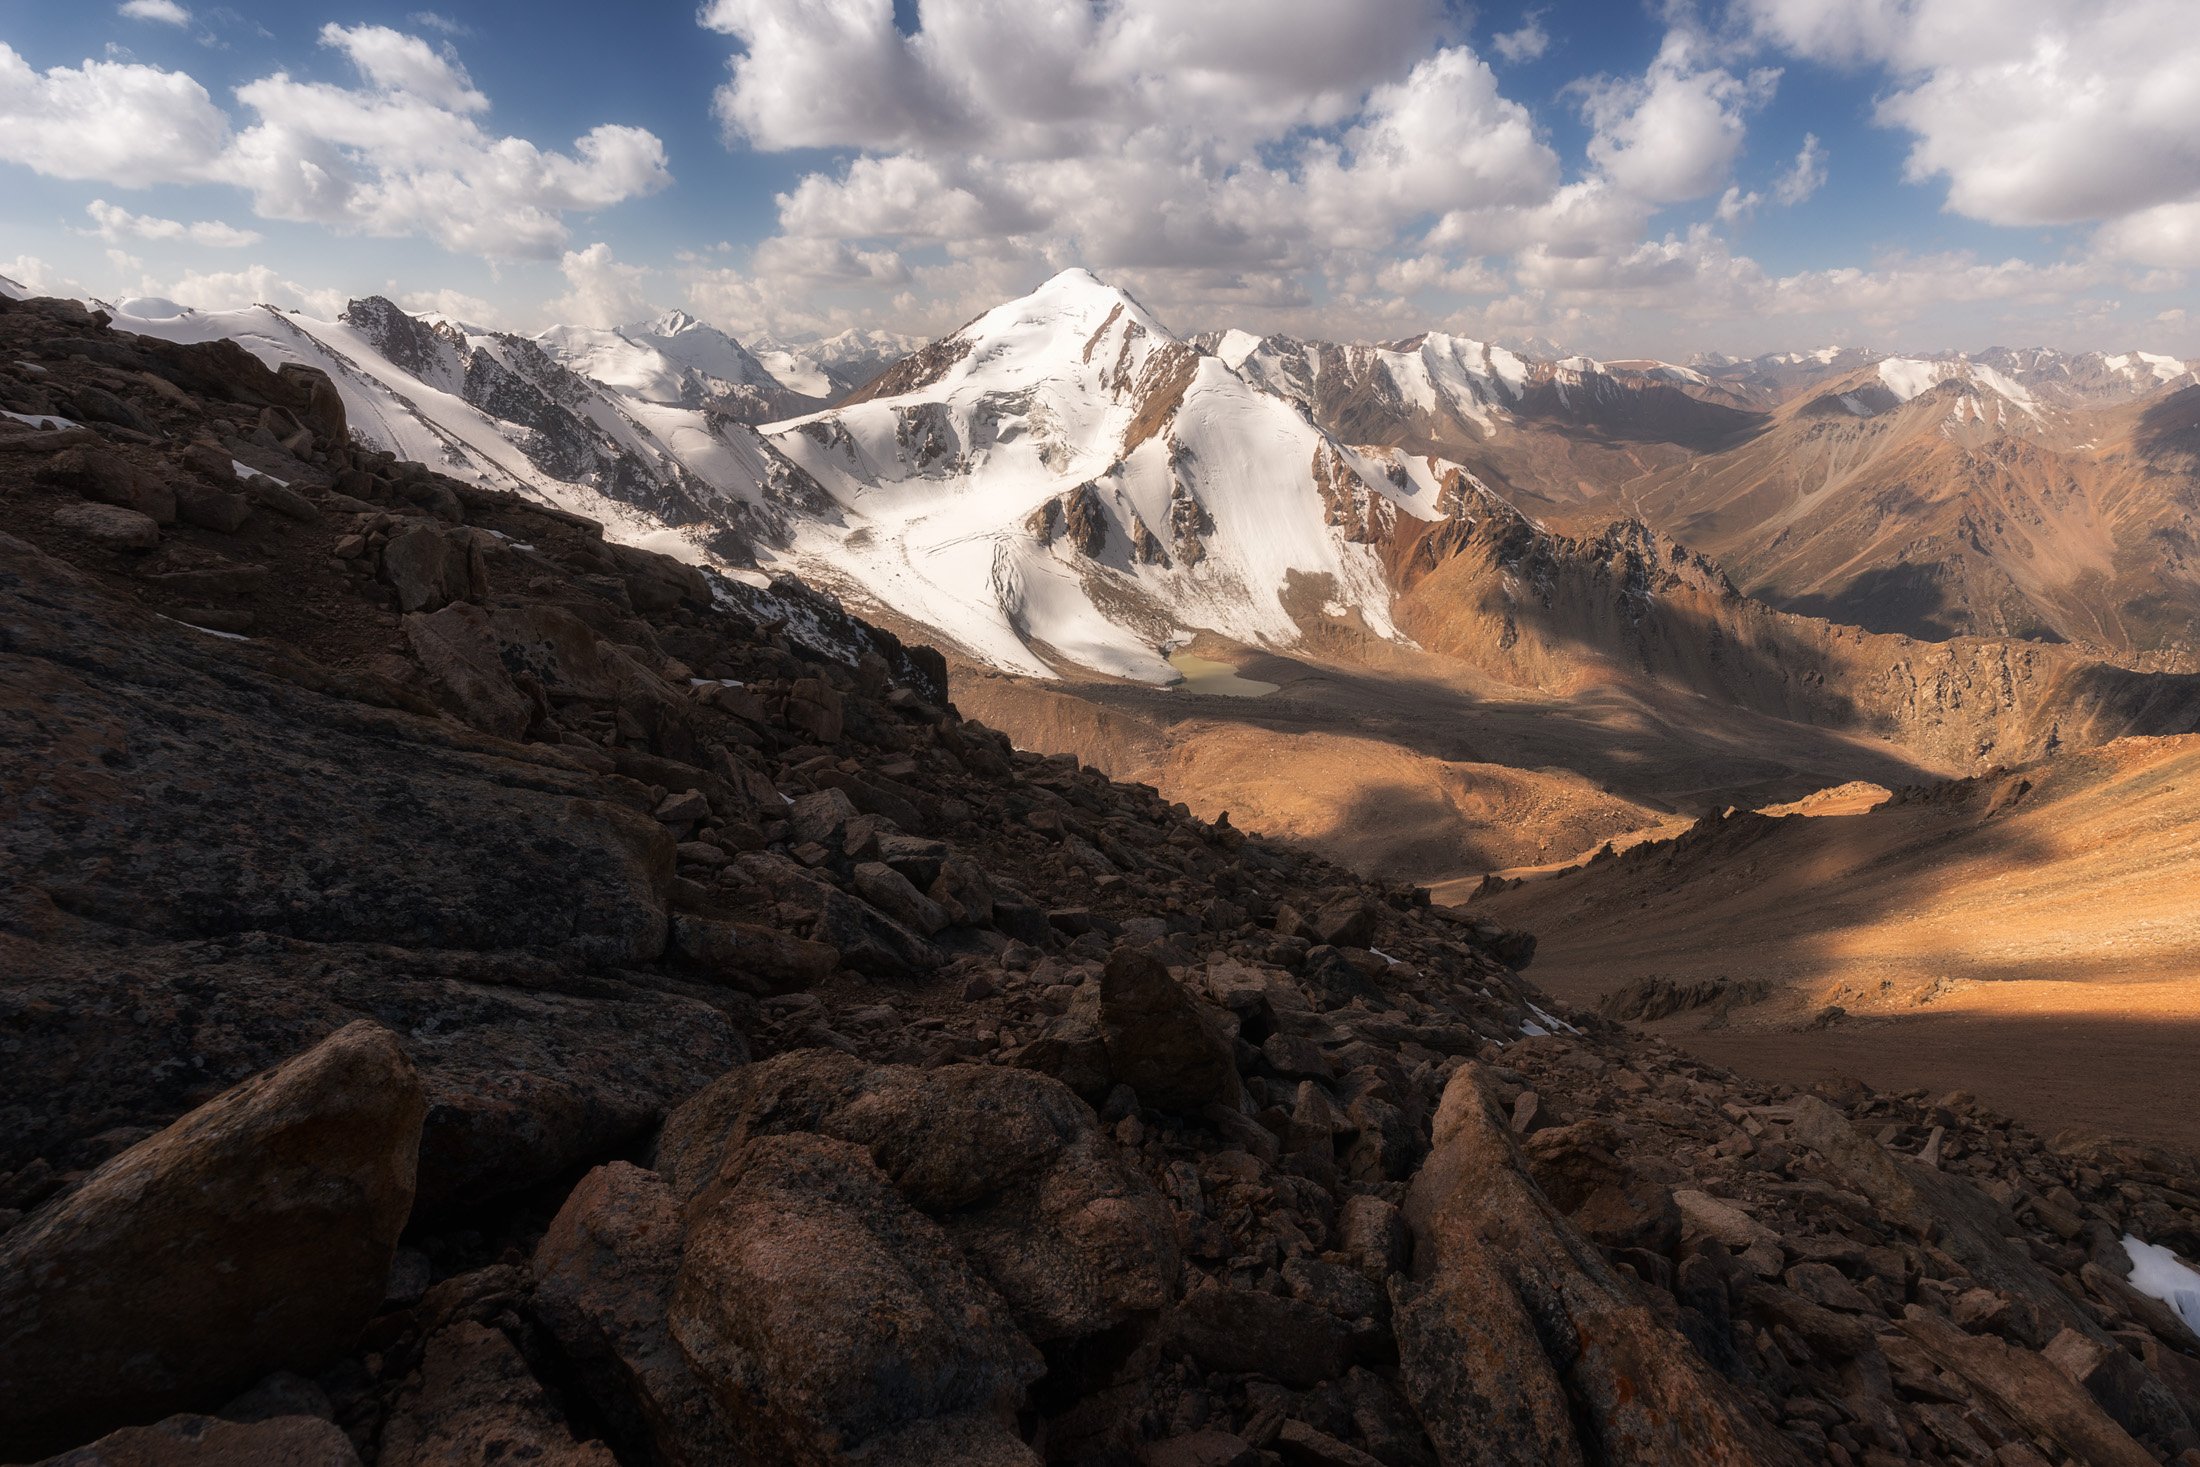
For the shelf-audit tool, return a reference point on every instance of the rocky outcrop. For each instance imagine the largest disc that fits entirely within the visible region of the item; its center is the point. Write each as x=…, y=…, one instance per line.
x=256, y=1232
x=1518, y=1344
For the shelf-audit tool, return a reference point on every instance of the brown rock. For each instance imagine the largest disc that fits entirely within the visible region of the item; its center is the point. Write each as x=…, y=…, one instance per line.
x=2126, y=1390
x=814, y=706
x=604, y=1276
x=891, y=892
x=123, y=529
x=2033, y=1392
x=1202, y=1449
x=104, y=476
x=1009, y=1162
x=1516, y=1341
x=475, y=1404
x=760, y=960
x=254, y=1233
x=208, y=1441
x=1158, y=1041
x=210, y=508
x=824, y=1313
x=1240, y=1332
x=458, y=651
x=417, y=564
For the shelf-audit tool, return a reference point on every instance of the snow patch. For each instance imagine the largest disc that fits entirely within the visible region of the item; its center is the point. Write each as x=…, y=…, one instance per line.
x=2160, y=1274
x=41, y=420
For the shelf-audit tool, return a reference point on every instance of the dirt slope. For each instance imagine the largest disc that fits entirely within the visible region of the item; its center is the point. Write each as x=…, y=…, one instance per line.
x=2032, y=936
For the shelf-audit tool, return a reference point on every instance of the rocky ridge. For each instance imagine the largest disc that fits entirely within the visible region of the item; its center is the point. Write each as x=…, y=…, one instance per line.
x=694, y=1042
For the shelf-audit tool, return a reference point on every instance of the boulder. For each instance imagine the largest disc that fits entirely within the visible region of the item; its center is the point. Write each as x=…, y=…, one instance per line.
x=210, y=507
x=110, y=525
x=891, y=892
x=825, y=1314
x=2035, y=1393
x=209, y=1441
x=757, y=959
x=102, y=475
x=417, y=564
x=604, y=1276
x=1241, y=1332
x=1517, y=1342
x=1159, y=1041
x=1010, y=1163
x=474, y=1403
x=254, y=1233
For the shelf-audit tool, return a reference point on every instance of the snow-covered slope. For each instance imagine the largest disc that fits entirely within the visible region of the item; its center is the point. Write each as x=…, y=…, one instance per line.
x=1065, y=480
x=678, y=361
x=836, y=365
x=499, y=410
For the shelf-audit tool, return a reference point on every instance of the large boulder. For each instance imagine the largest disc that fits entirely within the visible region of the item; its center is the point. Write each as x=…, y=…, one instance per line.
x=209, y=1441
x=604, y=1275
x=1517, y=1342
x=1009, y=1162
x=1159, y=1041
x=828, y=1317
x=255, y=1233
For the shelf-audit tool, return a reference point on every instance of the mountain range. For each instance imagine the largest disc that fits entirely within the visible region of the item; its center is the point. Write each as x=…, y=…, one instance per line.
x=1064, y=484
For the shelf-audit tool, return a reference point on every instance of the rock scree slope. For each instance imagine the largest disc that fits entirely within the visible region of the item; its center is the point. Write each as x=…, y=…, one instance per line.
x=651, y=1026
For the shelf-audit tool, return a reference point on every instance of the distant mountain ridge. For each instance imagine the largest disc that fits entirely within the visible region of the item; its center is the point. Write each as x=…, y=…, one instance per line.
x=1065, y=483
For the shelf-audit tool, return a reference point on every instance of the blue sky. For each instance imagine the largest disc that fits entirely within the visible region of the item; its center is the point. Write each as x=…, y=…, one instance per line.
x=1620, y=177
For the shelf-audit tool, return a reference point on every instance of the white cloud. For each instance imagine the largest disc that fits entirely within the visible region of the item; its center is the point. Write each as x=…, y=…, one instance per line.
x=167, y=12
x=1525, y=44
x=1805, y=176
x=115, y=222
x=33, y=274
x=2034, y=112
x=115, y=122
x=1672, y=134
x=229, y=290
x=456, y=304
x=403, y=153
x=600, y=291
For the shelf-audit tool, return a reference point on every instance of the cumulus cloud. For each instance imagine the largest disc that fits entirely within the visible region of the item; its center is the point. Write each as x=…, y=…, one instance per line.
x=2036, y=112
x=229, y=290
x=1212, y=153
x=115, y=222
x=113, y=122
x=1525, y=44
x=600, y=291
x=166, y=12
x=1672, y=134
x=403, y=152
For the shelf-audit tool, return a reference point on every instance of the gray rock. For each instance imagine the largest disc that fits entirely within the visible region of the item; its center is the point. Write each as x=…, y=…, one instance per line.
x=111, y=525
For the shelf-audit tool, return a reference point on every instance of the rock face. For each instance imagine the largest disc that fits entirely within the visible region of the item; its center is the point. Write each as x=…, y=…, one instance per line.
x=1516, y=1341
x=255, y=1232
x=799, y=1072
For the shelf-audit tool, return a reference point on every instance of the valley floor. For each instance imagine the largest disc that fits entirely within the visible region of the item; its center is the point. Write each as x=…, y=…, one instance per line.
x=1399, y=762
